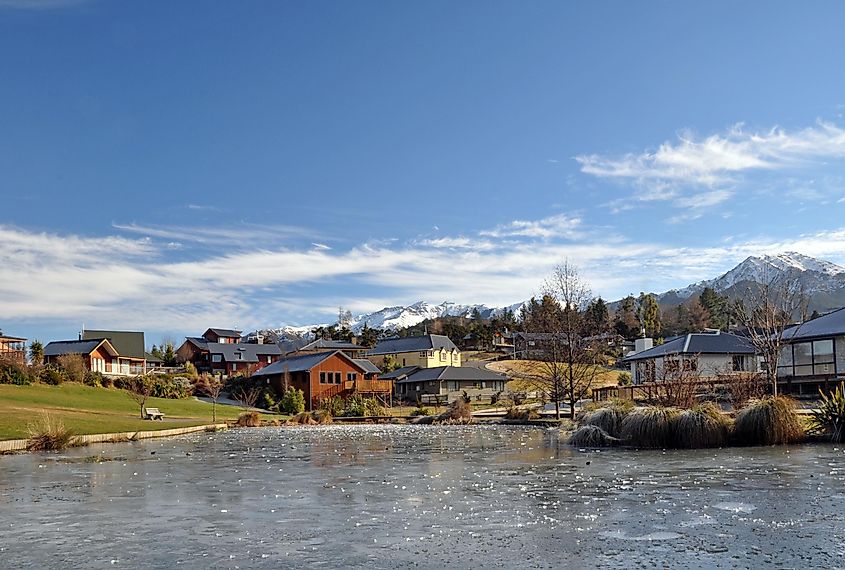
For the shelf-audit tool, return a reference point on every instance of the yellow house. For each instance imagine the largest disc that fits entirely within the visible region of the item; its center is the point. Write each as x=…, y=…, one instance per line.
x=427, y=351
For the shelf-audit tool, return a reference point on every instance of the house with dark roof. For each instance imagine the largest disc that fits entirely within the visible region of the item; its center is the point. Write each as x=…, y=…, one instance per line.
x=12, y=348
x=705, y=354
x=99, y=355
x=322, y=345
x=813, y=355
x=324, y=375
x=132, y=356
x=426, y=351
x=222, y=336
x=412, y=382
x=226, y=358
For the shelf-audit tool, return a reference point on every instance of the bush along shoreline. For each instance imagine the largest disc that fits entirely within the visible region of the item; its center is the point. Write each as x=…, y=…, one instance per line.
x=763, y=421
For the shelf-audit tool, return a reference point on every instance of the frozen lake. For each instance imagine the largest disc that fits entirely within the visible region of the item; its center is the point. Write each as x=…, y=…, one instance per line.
x=419, y=497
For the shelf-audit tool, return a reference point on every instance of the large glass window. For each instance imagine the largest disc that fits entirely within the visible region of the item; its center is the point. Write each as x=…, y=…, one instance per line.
x=802, y=353
x=809, y=358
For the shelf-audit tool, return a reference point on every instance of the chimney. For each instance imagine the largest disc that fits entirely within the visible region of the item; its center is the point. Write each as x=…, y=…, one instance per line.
x=642, y=344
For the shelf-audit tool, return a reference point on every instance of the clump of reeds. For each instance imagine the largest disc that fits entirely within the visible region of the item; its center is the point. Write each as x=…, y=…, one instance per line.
x=652, y=427
x=591, y=436
x=523, y=414
x=321, y=416
x=458, y=412
x=702, y=426
x=48, y=434
x=249, y=419
x=768, y=421
x=302, y=418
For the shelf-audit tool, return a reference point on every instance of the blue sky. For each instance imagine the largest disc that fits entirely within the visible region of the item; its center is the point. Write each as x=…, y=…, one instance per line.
x=171, y=166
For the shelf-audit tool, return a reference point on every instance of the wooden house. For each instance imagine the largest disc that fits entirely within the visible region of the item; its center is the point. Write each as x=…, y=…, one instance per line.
x=219, y=351
x=99, y=355
x=324, y=375
x=12, y=349
x=132, y=356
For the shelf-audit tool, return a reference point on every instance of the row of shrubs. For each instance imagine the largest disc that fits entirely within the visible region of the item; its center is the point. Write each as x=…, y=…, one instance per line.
x=163, y=385
x=766, y=421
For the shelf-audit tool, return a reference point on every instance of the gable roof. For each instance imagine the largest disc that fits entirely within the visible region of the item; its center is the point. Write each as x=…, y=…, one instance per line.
x=368, y=366
x=831, y=324
x=60, y=347
x=11, y=338
x=465, y=373
x=152, y=358
x=413, y=344
x=698, y=343
x=225, y=333
x=248, y=352
x=303, y=362
x=399, y=373
x=128, y=343
x=323, y=344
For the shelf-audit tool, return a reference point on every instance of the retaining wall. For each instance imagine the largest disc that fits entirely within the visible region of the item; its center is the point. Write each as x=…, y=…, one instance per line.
x=80, y=440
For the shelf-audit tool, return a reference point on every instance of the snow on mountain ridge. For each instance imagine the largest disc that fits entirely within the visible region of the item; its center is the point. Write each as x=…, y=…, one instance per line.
x=393, y=318
x=818, y=274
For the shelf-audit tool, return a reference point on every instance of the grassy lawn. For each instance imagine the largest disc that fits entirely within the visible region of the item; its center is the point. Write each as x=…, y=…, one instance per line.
x=88, y=410
x=515, y=368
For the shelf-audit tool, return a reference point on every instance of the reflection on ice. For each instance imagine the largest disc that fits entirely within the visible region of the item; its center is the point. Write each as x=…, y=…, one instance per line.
x=416, y=496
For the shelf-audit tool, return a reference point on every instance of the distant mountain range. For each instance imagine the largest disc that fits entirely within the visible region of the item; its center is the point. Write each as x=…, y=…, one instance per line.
x=822, y=281
x=394, y=318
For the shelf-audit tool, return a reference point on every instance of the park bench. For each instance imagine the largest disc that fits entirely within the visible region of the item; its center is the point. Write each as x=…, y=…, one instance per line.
x=153, y=414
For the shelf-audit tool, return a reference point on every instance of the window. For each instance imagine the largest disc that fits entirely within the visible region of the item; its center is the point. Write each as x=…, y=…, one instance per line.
x=423, y=354
x=234, y=366
x=269, y=359
x=217, y=358
x=808, y=358
x=351, y=376
x=737, y=363
x=337, y=377
x=323, y=378
x=442, y=356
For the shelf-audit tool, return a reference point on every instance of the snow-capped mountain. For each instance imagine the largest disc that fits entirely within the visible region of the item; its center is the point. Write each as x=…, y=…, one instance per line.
x=822, y=281
x=393, y=318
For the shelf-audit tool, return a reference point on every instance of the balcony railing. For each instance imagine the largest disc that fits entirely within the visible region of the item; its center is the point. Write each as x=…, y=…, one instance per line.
x=383, y=386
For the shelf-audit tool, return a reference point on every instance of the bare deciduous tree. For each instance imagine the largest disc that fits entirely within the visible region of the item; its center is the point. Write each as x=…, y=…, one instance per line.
x=768, y=310
x=247, y=397
x=568, y=367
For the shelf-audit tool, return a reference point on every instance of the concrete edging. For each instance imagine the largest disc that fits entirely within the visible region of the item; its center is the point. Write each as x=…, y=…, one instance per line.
x=12, y=445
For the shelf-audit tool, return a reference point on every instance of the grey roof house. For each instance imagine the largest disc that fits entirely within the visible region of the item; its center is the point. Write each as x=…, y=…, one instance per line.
x=413, y=381
x=425, y=351
x=228, y=357
x=703, y=354
x=813, y=355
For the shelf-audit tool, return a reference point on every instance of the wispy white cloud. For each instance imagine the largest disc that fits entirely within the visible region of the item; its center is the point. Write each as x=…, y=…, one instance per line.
x=715, y=159
x=119, y=282
x=701, y=173
x=247, y=235
x=558, y=226
x=203, y=207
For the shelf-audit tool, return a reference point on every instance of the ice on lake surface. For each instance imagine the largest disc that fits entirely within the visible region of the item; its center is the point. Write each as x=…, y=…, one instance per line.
x=418, y=497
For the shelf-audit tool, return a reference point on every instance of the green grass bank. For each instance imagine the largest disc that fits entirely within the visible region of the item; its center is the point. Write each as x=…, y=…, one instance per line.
x=86, y=410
